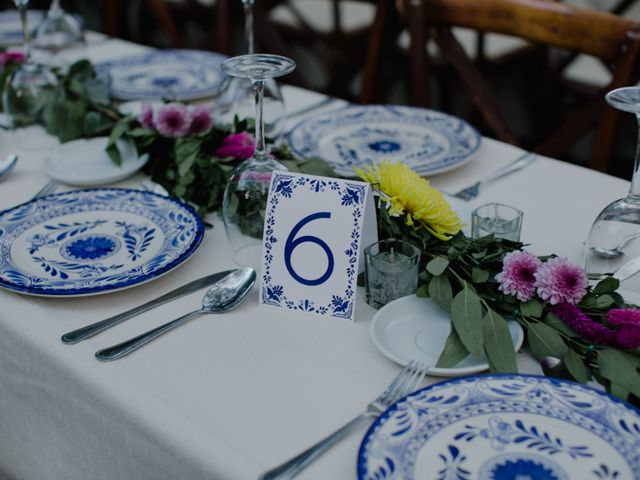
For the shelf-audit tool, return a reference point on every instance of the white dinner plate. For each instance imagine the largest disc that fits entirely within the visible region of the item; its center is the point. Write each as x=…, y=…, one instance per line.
x=11, y=27
x=413, y=328
x=87, y=242
x=493, y=427
x=85, y=163
x=171, y=74
x=428, y=141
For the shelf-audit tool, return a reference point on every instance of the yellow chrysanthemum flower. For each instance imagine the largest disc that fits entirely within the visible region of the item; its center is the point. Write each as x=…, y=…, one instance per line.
x=409, y=194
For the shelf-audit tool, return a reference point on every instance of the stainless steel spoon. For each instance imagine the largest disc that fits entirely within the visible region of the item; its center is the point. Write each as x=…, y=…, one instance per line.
x=7, y=164
x=221, y=297
x=617, y=250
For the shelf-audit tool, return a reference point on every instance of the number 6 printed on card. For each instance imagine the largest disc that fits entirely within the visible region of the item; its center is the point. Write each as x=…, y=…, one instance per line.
x=314, y=230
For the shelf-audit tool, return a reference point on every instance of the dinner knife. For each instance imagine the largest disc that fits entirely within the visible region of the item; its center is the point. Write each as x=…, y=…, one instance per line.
x=90, y=330
x=628, y=270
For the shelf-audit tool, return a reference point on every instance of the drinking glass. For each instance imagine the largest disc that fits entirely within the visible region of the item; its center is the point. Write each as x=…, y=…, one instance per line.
x=391, y=271
x=614, y=238
x=29, y=85
x=245, y=196
x=58, y=29
x=503, y=221
x=236, y=93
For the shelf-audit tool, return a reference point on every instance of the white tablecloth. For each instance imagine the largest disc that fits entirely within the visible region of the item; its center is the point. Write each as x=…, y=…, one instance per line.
x=222, y=397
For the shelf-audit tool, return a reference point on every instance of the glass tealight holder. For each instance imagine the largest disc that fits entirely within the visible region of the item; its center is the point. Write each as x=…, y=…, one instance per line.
x=391, y=271
x=500, y=220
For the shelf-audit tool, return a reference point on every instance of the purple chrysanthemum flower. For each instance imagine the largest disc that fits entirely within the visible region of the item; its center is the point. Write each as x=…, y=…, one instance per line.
x=624, y=317
x=146, y=117
x=582, y=324
x=238, y=145
x=560, y=281
x=201, y=119
x=12, y=57
x=518, y=275
x=173, y=120
x=628, y=337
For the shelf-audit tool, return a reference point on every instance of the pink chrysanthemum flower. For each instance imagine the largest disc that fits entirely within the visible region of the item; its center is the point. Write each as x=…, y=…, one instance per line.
x=560, y=281
x=628, y=337
x=582, y=324
x=624, y=317
x=146, y=117
x=518, y=275
x=238, y=145
x=173, y=120
x=201, y=119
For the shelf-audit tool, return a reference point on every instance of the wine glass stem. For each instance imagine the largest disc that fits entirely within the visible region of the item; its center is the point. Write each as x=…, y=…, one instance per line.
x=260, y=148
x=634, y=191
x=248, y=26
x=25, y=32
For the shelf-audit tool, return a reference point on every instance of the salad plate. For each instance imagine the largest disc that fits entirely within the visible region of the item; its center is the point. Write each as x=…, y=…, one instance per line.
x=11, y=27
x=495, y=427
x=413, y=328
x=428, y=141
x=85, y=163
x=170, y=74
x=94, y=241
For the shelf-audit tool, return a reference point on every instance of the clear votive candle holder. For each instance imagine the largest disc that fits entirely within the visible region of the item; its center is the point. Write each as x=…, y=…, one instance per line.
x=500, y=220
x=391, y=271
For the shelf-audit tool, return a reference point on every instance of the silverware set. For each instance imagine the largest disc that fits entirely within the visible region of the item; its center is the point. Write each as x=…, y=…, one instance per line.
x=227, y=290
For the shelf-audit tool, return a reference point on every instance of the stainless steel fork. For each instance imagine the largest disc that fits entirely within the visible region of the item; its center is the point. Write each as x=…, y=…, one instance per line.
x=406, y=382
x=472, y=191
x=49, y=187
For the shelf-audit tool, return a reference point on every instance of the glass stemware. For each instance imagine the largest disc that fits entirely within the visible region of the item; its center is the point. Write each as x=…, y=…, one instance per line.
x=245, y=196
x=235, y=97
x=58, y=29
x=29, y=85
x=614, y=238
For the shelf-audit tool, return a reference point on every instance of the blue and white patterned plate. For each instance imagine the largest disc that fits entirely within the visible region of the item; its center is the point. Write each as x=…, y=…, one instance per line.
x=497, y=427
x=172, y=74
x=429, y=142
x=94, y=241
x=11, y=28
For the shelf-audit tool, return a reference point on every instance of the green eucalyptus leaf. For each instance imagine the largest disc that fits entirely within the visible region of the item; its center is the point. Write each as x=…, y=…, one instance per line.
x=619, y=391
x=437, y=266
x=114, y=153
x=621, y=368
x=479, y=275
x=453, y=352
x=532, y=308
x=422, y=291
x=544, y=341
x=576, y=366
x=498, y=344
x=440, y=292
x=556, y=323
x=604, y=302
x=466, y=315
x=607, y=285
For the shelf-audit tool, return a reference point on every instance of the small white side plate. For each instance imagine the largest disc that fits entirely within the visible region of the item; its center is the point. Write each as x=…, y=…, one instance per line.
x=413, y=328
x=85, y=163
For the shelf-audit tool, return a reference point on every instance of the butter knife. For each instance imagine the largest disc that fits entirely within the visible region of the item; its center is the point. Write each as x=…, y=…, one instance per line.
x=628, y=270
x=90, y=330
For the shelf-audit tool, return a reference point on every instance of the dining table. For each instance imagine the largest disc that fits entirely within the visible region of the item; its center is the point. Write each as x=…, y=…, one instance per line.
x=225, y=396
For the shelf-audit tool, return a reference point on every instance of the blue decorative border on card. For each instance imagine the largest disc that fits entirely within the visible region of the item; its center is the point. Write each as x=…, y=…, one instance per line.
x=351, y=195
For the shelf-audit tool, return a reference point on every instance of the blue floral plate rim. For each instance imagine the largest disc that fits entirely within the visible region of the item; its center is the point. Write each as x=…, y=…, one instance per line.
x=305, y=136
x=203, y=59
x=435, y=388
x=187, y=252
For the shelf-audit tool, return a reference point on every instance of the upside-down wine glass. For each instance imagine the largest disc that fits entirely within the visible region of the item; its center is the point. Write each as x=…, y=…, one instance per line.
x=245, y=196
x=28, y=86
x=58, y=29
x=614, y=238
x=236, y=95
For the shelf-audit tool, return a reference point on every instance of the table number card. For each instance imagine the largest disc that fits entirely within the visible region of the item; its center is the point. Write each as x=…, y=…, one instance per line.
x=315, y=228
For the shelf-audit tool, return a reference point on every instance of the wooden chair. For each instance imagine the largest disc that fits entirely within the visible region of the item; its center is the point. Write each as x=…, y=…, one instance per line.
x=612, y=39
